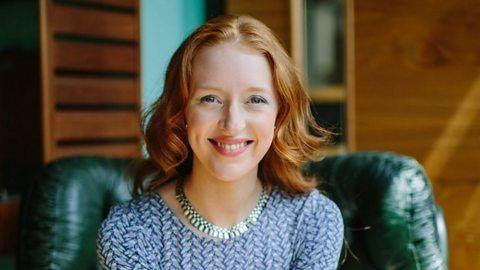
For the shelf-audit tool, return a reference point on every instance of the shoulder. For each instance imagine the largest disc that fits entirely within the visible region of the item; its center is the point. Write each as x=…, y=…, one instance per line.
x=310, y=213
x=318, y=205
x=320, y=233
x=321, y=215
x=121, y=225
x=311, y=206
x=133, y=215
x=316, y=216
x=128, y=214
x=121, y=216
x=122, y=240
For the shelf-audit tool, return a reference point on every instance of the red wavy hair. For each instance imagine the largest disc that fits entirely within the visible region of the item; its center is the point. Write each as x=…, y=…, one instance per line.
x=297, y=137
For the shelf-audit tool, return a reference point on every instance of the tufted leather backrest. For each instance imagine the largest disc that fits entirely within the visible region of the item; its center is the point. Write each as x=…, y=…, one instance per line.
x=63, y=208
x=391, y=218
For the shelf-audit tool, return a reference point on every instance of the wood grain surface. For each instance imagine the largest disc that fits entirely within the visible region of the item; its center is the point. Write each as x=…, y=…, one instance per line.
x=91, y=78
x=415, y=77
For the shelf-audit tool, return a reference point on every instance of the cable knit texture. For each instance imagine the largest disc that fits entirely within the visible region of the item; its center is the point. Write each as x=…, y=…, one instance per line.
x=293, y=232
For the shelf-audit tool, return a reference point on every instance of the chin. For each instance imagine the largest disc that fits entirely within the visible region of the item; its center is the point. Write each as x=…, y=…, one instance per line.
x=230, y=174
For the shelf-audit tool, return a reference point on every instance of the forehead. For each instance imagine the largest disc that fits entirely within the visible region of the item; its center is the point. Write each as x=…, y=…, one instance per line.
x=231, y=66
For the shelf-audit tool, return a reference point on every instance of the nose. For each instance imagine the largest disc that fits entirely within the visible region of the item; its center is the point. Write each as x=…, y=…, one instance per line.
x=233, y=119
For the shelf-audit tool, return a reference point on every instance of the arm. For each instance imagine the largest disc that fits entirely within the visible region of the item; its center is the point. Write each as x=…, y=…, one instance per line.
x=320, y=236
x=122, y=243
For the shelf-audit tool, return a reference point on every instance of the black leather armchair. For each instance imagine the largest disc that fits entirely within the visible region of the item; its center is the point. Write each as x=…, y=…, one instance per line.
x=390, y=215
x=391, y=218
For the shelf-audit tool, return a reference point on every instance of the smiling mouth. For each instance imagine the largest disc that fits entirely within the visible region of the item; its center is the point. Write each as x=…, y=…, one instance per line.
x=231, y=147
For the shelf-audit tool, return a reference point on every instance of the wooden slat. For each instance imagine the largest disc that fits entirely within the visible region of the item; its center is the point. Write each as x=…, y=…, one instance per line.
x=95, y=57
x=85, y=36
x=114, y=3
x=350, y=69
x=94, y=125
x=297, y=18
x=71, y=90
x=120, y=150
x=91, y=22
x=47, y=73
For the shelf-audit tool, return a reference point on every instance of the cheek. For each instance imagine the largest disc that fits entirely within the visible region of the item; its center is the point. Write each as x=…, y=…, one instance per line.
x=197, y=121
x=197, y=118
x=199, y=125
x=264, y=127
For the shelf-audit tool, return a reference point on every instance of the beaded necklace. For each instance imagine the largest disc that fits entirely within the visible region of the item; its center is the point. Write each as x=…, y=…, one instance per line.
x=211, y=229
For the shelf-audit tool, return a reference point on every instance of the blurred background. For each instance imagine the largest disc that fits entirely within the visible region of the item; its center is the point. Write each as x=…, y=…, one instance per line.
x=400, y=75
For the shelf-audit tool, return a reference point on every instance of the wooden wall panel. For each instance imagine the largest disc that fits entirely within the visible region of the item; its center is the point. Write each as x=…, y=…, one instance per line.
x=410, y=81
x=130, y=4
x=94, y=90
x=414, y=88
x=91, y=22
x=111, y=150
x=91, y=78
x=90, y=125
x=80, y=56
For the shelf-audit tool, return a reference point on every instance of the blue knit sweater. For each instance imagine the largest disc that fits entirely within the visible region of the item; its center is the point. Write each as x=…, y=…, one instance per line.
x=293, y=232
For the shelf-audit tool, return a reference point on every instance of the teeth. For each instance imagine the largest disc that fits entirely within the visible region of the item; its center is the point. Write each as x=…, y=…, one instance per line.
x=231, y=147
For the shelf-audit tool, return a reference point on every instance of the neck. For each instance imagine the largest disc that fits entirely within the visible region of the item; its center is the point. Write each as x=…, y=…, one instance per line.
x=224, y=203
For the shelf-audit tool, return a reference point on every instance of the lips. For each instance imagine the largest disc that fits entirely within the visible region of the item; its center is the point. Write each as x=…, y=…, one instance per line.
x=232, y=148
x=227, y=140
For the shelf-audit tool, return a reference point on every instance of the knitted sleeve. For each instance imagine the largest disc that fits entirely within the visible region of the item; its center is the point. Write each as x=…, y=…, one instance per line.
x=320, y=235
x=122, y=242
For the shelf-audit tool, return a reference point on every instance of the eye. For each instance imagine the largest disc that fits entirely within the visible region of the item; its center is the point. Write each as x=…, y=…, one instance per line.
x=257, y=100
x=208, y=99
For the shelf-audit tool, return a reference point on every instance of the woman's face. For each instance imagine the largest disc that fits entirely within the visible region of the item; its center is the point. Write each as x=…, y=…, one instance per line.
x=232, y=110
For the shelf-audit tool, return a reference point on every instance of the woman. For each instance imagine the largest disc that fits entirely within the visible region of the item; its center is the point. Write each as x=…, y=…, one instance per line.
x=223, y=187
